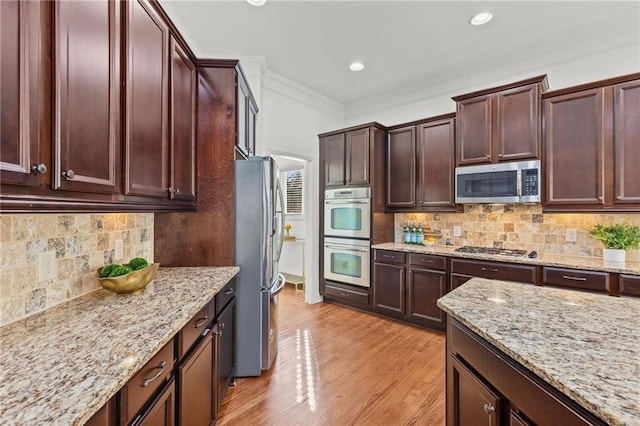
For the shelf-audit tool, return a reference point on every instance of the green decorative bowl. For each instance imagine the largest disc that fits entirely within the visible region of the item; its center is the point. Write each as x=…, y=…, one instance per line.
x=134, y=282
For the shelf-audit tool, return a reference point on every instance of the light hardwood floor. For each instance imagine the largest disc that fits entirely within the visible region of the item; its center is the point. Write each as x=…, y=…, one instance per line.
x=337, y=366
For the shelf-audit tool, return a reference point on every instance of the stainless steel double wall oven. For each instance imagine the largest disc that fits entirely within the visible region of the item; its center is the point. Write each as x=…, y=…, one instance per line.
x=347, y=235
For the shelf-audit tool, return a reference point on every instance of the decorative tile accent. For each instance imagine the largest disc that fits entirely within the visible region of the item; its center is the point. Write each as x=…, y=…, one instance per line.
x=519, y=227
x=82, y=243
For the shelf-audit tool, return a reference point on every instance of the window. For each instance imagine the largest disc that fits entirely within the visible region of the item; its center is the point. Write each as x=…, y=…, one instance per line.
x=292, y=189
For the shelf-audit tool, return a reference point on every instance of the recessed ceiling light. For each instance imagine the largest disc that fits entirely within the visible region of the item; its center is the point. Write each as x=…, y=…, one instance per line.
x=256, y=2
x=356, y=66
x=481, y=18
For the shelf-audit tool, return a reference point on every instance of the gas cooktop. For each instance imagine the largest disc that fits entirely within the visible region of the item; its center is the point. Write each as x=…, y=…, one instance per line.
x=492, y=250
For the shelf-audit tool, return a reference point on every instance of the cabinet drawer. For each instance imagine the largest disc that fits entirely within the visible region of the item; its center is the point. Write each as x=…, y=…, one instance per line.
x=346, y=294
x=139, y=390
x=629, y=285
x=428, y=261
x=572, y=278
x=225, y=295
x=494, y=270
x=194, y=328
x=389, y=256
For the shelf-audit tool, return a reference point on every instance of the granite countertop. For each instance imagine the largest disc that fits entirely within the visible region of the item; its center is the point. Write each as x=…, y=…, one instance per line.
x=61, y=365
x=585, y=345
x=563, y=261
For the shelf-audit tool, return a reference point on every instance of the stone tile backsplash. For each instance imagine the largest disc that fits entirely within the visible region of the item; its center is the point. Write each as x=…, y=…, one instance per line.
x=81, y=242
x=519, y=227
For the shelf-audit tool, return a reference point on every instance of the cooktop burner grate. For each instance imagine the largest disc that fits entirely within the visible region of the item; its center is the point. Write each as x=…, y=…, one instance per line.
x=492, y=250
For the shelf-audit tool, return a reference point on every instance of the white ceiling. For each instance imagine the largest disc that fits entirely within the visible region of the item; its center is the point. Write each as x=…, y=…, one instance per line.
x=404, y=45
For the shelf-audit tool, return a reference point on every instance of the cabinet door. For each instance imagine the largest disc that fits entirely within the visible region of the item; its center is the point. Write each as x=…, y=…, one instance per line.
x=106, y=416
x=424, y=288
x=20, y=66
x=401, y=168
x=388, y=289
x=183, y=121
x=333, y=148
x=436, y=164
x=162, y=411
x=357, y=157
x=473, y=402
x=242, y=111
x=517, y=133
x=473, y=138
x=226, y=350
x=574, y=147
x=146, y=135
x=87, y=96
x=195, y=386
x=626, y=144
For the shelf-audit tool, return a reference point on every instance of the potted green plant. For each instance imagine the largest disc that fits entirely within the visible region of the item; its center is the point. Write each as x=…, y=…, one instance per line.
x=616, y=239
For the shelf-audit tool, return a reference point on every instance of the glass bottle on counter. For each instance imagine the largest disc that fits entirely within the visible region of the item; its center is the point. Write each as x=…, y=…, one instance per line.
x=407, y=234
x=414, y=234
x=420, y=235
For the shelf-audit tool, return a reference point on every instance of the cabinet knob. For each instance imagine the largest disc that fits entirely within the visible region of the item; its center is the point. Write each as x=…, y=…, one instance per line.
x=69, y=174
x=500, y=155
x=487, y=157
x=177, y=191
x=39, y=168
x=489, y=409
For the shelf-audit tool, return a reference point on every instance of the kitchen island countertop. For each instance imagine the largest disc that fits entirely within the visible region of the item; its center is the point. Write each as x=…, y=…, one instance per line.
x=61, y=365
x=585, y=345
x=557, y=260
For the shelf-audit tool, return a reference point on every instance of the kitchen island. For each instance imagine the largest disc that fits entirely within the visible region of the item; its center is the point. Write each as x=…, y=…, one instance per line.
x=586, y=346
x=62, y=365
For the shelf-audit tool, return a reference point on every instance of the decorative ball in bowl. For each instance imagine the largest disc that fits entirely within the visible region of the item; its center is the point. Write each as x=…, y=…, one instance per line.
x=133, y=282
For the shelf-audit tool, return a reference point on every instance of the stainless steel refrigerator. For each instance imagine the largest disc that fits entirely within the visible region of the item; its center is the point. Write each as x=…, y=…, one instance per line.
x=259, y=238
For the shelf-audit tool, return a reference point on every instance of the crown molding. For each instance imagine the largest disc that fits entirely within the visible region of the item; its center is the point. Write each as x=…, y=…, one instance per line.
x=289, y=88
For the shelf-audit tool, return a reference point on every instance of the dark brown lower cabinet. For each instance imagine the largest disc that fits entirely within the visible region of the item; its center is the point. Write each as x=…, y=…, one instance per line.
x=408, y=287
x=473, y=402
x=225, y=351
x=195, y=385
x=486, y=386
x=162, y=411
x=106, y=416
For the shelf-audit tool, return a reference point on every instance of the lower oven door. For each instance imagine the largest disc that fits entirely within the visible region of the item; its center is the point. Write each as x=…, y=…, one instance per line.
x=347, y=261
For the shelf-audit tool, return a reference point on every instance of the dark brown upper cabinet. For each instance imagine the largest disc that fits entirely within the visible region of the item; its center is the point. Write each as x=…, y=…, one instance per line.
x=87, y=97
x=146, y=102
x=183, y=121
x=345, y=158
x=247, y=111
x=420, y=166
x=22, y=96
x=500, y=124
x=591, y=146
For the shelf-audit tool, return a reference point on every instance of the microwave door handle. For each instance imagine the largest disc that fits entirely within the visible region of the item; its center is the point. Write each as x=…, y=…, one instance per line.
x=346, y=248
x=519, y=184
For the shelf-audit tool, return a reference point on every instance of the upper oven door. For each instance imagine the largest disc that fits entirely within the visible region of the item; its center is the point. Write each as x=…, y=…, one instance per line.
x=347, y=217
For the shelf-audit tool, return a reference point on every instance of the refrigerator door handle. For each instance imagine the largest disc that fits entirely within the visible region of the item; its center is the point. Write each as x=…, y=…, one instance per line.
x=281, y=283
x=280, y=197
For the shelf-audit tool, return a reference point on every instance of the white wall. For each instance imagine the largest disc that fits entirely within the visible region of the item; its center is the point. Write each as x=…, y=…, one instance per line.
x=292, y=117
x=428, y=101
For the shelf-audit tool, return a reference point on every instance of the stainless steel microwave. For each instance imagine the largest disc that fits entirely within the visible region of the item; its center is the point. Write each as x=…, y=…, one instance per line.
x=516, y=182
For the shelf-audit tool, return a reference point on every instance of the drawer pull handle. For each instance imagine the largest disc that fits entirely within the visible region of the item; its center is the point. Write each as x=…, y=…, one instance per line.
x=161, y=366
x=342, y=293
x=569, y=277
x=202, y=321
x=228, y=292
x=490, y=269
x=388, y=256
x=426, y=261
